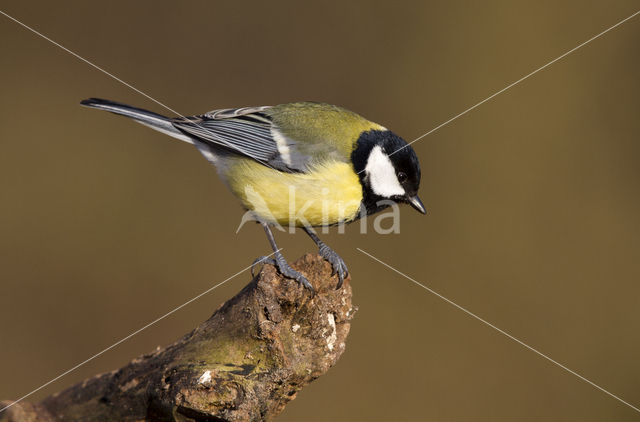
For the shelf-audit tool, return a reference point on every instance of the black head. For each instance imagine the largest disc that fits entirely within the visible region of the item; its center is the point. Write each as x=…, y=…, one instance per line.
x=388, y=169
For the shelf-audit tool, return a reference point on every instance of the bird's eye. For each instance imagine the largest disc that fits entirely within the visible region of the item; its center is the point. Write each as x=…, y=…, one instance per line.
x=402, y=177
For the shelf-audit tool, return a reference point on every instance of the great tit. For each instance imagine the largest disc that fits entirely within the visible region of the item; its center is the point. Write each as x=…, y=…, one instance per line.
x=302, y=164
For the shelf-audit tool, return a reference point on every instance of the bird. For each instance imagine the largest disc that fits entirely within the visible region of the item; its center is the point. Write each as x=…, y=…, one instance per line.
x=301, y=164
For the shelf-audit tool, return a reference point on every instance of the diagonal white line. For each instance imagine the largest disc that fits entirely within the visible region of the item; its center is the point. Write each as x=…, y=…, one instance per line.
x=536, y=351
x=404, y=275
x=518, y=81
x=134, y=333
x=129, y=86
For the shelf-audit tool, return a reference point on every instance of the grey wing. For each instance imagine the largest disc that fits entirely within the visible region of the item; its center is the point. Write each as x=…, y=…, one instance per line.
x=247, y=132
x=252, y=112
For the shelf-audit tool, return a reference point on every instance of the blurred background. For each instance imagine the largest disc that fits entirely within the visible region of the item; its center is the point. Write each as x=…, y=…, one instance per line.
x=532, y=197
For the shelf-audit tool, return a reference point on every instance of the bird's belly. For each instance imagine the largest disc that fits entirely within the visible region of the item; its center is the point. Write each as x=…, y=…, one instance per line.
x=330, y=194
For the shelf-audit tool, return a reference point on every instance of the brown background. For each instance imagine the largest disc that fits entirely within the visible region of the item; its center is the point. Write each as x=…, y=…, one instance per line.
x=533, y=197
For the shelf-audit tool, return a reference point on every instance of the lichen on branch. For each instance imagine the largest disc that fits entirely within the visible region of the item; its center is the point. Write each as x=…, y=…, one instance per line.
x=245, y=363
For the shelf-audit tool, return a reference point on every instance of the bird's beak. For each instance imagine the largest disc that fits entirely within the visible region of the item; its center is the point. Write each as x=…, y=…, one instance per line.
x=417, y=204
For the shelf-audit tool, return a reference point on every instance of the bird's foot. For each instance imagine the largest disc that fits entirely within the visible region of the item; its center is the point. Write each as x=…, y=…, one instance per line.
x=262, y=260
x=284, y=268
x=336, y=262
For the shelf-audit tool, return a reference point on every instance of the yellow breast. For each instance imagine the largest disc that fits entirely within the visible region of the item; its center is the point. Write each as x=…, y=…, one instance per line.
x=329, y=194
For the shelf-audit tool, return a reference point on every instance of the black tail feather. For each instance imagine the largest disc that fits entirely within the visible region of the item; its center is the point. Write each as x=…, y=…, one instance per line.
x=148, y=118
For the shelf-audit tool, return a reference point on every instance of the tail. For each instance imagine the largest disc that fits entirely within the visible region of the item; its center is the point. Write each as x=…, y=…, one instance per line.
x=147, y=118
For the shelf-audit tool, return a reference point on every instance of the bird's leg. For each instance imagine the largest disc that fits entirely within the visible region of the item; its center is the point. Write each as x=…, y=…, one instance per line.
x=278, y=261
x=330, y=255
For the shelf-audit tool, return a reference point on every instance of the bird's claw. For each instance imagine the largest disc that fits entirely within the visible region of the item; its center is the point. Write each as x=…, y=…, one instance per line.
x=336, y=262
x=285, y=269
x=262, y=260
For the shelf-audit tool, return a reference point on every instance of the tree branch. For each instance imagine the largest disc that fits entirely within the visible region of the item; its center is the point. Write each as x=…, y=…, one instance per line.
x=246, y=362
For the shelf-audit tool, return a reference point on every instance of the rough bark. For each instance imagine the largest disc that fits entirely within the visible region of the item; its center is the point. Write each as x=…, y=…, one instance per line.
x=244, y=363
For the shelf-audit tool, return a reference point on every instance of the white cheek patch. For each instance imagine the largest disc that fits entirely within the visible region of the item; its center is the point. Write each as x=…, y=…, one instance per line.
x=381, y=174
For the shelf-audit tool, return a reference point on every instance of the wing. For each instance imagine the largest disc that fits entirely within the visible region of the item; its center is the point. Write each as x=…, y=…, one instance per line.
x=248, y=132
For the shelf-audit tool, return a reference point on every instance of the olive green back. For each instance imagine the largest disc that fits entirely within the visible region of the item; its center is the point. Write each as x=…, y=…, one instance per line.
x=319, y=129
